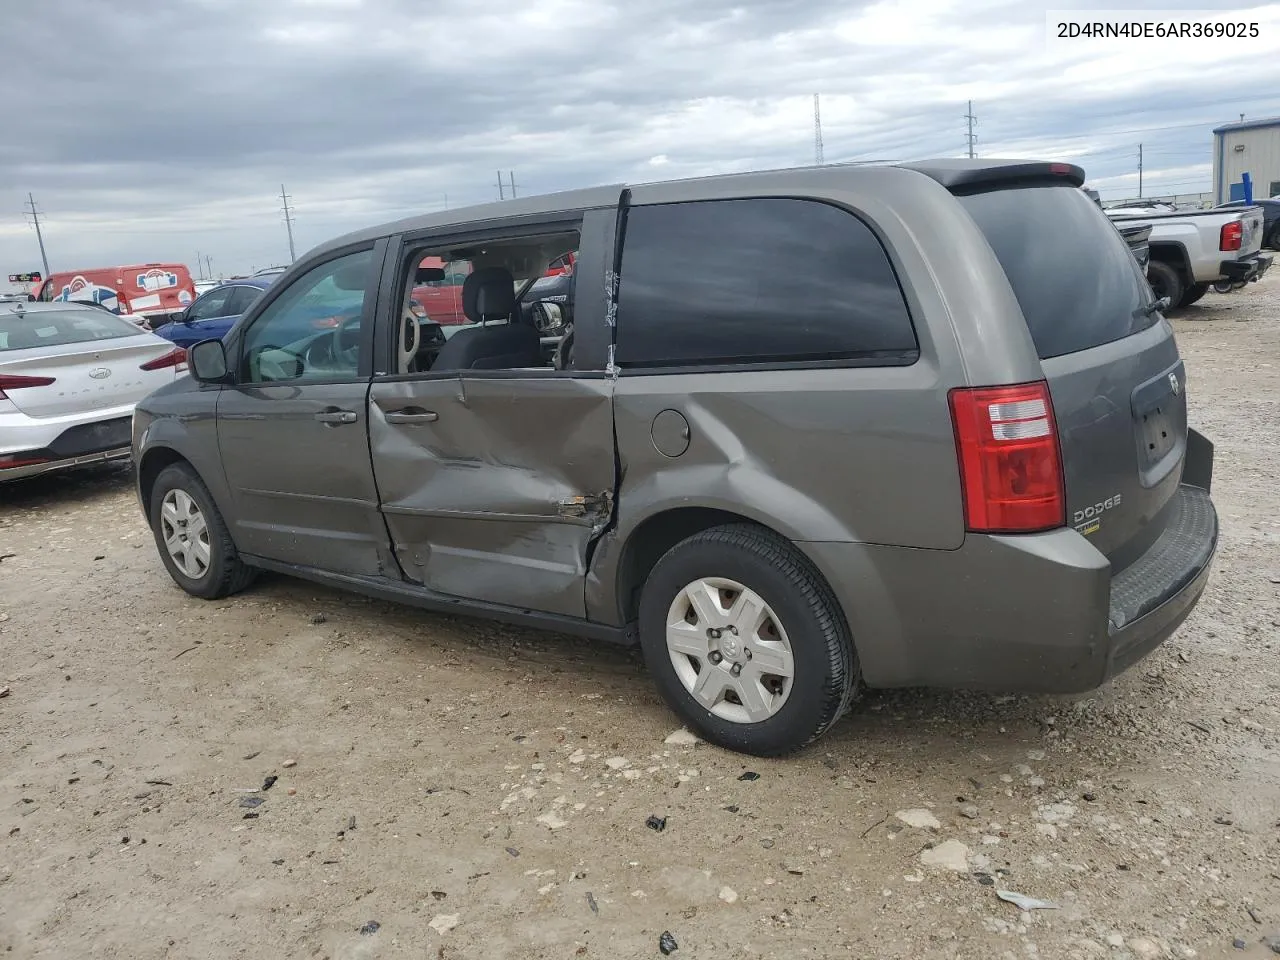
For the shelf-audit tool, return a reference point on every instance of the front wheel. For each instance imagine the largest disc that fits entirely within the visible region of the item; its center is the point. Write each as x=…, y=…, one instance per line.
x=746, y=642
x=194, y=543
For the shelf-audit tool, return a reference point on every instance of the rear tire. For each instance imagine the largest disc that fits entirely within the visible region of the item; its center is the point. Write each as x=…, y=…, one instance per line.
x=194, y=543
x=1194, y=293
x=1165, y=282
x=731, y=685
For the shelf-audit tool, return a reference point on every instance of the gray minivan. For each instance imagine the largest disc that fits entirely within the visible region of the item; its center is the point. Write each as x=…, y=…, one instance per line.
x=808, y=431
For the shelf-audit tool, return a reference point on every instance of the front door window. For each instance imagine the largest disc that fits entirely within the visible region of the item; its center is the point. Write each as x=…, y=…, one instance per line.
x=311, y=332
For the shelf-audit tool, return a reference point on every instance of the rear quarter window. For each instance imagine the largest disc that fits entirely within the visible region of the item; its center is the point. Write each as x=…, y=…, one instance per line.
x=1075, y=279
x=726, y=282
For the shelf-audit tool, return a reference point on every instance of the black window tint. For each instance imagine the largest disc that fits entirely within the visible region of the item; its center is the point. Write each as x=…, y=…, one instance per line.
x=241, y=300
x=746, y=281
x=1074, y=277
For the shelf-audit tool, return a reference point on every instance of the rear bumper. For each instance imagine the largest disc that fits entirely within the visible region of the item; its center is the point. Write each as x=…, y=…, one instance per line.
x=68, y=463
x=1250, y=268
x=1040, y=613
x=40, y=446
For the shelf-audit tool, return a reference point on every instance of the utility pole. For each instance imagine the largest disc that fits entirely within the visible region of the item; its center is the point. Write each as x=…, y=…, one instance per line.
x=513, y=184
x=208, y=262
x=35, y=218
x=199, y=266
x=971, y=137
x=288, y=222
x=817, y=132
x=502, y=190
x=1139, y=171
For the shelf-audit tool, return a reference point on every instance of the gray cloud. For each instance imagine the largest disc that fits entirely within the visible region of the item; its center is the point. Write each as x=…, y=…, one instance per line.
x=154, y=130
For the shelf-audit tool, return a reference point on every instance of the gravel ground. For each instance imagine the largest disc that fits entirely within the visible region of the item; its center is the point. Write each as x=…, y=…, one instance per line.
x=473, y=790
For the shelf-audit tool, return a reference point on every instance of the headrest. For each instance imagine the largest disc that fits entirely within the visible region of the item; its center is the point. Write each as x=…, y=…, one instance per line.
x=488, y=293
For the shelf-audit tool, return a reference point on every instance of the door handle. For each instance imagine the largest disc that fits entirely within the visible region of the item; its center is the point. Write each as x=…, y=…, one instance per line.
x=335, y=416
x=412, y=415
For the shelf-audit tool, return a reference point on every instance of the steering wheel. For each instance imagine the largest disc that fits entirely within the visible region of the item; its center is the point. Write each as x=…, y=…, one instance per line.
x=410, y=338
x=344, y=348
x=271, y=370
x=563, y=357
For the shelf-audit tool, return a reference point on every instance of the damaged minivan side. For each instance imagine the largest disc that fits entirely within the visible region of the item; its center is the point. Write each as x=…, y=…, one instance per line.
x=796, y=433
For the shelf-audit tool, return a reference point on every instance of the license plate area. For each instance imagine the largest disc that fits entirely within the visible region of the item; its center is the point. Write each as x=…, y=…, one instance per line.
x=94, y=437
x=1160, y=423
x=1157, y=432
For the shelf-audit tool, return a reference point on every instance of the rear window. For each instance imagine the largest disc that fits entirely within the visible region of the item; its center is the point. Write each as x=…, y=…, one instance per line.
x=50, y=328
x=1074, y=277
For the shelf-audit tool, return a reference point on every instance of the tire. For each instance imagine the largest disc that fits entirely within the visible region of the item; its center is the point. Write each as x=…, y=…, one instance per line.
x=221, y=573
x=800, y=616
x=1194, y=293
x=1165, y=282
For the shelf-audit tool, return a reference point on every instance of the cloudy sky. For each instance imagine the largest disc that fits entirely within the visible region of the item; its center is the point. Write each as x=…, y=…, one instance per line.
x=155, y=130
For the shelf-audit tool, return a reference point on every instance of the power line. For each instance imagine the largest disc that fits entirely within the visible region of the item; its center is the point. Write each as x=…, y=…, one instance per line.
x=971, y=137
x=35, y=219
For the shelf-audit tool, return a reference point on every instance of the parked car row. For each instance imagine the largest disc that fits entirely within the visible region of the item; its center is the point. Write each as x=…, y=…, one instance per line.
x=812, y=431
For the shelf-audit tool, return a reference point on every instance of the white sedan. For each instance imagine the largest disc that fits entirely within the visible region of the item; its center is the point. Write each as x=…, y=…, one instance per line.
x=70, y=375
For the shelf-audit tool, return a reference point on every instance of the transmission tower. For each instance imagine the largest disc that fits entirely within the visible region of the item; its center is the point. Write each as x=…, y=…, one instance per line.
x=288, y=222
x=35, y=219
x=817, y=131
x=971, y=136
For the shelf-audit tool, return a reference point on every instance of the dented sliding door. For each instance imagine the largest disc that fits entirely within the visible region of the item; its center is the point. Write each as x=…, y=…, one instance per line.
x=494, y=487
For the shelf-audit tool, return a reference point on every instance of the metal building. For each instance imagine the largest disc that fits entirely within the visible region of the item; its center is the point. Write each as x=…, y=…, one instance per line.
x=1252, y=147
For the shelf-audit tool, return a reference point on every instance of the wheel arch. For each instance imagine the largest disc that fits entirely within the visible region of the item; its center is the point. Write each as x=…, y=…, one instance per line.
x=646, y=543
x=153, y=462
x=1173, y=254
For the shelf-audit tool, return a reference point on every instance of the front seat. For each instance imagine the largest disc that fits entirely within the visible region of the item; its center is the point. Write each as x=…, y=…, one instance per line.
x=489, y=294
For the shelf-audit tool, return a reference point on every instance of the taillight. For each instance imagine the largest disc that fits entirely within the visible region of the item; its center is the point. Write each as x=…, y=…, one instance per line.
x=176, y=357
x=14, y=382
x=1232, y=236
x=1010, y=463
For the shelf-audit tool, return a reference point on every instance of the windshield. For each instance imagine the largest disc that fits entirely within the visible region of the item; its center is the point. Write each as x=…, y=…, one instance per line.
x=1072, y=272
x=49, y=328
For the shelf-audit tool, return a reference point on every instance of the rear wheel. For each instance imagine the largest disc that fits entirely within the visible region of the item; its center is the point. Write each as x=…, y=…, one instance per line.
x=194, y=543
x=1165, y=282
x=746, y=641
x=1194, y=293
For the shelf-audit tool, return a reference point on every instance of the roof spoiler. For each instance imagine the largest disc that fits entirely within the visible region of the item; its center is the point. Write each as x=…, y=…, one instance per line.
x=979, y=174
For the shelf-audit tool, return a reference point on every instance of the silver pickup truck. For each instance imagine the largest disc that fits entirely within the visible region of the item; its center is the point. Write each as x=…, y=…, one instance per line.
x=1192, y=250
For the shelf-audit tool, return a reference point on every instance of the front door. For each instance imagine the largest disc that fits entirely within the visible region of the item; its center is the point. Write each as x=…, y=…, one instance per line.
x=293, y=431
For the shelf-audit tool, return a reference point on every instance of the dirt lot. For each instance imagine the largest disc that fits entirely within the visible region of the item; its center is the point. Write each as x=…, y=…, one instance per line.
x=479, y=791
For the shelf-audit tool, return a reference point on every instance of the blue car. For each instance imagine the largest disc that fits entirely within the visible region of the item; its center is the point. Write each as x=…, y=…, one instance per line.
x=215, y=311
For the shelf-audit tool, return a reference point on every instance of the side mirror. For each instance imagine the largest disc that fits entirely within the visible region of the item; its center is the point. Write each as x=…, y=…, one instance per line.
x=208, y=361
